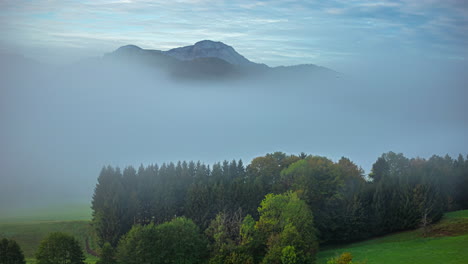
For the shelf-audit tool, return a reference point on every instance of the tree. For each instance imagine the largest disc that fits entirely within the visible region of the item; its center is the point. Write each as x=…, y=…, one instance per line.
x=107, y=255
x=285, y=220
x=59, y=248
x=266, y=170
x=10, y=252
x=181, y=242
x=321, y=184
x=251, y=243
x=379, y=170
x=177, y=241
x=107, y=205
x=288, y=255
x=224, y=233
x=137, y=245
x=400, y=194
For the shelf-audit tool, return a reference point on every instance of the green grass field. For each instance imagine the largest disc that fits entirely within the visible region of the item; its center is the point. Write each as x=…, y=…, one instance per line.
x=447, y=242
x=28, y=228
x=68, y=212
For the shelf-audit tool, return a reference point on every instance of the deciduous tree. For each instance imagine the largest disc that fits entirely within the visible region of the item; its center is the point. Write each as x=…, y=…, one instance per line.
x=59, y=248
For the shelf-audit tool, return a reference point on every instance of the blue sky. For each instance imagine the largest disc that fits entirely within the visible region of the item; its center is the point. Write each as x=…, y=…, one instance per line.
x=329, y=33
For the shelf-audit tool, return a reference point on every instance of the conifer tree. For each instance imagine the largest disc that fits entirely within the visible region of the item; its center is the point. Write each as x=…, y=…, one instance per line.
x=10, y=252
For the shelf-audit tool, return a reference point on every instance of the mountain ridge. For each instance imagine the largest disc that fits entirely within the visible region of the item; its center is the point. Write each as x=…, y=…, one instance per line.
x=209, y=59
x=207, y=49
x=204, y=60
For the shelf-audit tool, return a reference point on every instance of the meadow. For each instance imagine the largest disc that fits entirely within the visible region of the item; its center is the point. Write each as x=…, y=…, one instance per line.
x=29, y=227
x=445, y=242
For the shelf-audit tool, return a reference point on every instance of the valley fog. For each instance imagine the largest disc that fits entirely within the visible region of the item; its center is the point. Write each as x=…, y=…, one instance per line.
x=61, y=124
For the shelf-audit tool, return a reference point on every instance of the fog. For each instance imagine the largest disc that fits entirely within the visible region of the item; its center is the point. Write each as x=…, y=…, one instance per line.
x=61, y=124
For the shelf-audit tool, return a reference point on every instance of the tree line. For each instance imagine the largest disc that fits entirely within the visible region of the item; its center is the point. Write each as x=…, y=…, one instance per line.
x=56, y=248
x=277, y=208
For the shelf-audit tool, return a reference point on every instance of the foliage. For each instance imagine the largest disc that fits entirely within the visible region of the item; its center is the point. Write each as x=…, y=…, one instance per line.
x=224, y=232
x=107, y=206
x=407, y=195
x=332, y=191
x=285, y=220
x=345, y=258
x=59, y=248
x=10, y=252
x=237, y=257
x=107, y=255
x=288, y=255
x=400, y=194
x=177, y=241
x=266, y=171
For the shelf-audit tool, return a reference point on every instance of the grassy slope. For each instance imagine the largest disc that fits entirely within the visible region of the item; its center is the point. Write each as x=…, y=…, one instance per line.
x=447, y=242
x=29, y=228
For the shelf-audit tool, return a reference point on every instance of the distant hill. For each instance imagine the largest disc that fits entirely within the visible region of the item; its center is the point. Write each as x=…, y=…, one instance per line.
x=207, y=59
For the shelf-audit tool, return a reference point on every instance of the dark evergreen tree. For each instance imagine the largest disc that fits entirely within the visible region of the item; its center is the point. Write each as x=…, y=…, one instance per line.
x=10, y=252
x=108, y=208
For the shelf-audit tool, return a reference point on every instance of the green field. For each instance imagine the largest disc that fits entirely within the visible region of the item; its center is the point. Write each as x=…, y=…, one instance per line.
x=68, y=212
x=446, y=242
x=28, y=228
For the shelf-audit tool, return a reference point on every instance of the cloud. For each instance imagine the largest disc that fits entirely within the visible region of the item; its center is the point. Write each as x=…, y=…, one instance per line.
x=334, y=27
x=335, y=11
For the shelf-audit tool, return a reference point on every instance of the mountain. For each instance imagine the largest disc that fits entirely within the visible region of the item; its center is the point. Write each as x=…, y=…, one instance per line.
x=209, y=59
x=209, y=49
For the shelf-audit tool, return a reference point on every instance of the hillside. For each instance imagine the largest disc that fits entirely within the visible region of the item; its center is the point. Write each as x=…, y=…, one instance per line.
x=446, y=242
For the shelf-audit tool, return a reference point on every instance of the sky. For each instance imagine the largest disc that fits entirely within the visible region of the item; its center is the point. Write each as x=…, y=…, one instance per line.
x=335, y=33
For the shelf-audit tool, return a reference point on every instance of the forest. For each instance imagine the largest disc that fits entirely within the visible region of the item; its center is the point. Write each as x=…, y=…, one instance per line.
x=278, y=209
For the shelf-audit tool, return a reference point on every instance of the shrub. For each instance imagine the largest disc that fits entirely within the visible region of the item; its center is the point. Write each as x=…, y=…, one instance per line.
x=345, y=258
x=59, y=248
x=177, y=241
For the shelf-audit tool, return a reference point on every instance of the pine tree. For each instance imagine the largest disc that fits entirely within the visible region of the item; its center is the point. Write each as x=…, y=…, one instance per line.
x=10, y=252
x=107, y=206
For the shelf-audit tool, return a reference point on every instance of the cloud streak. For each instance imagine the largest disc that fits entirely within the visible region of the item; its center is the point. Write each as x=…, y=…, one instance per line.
x=258, y=29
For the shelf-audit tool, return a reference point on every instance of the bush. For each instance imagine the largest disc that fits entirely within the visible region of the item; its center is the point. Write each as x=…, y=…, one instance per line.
x=345, y=258
x=59, y=248
x=177, y=241
x=107, y=255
